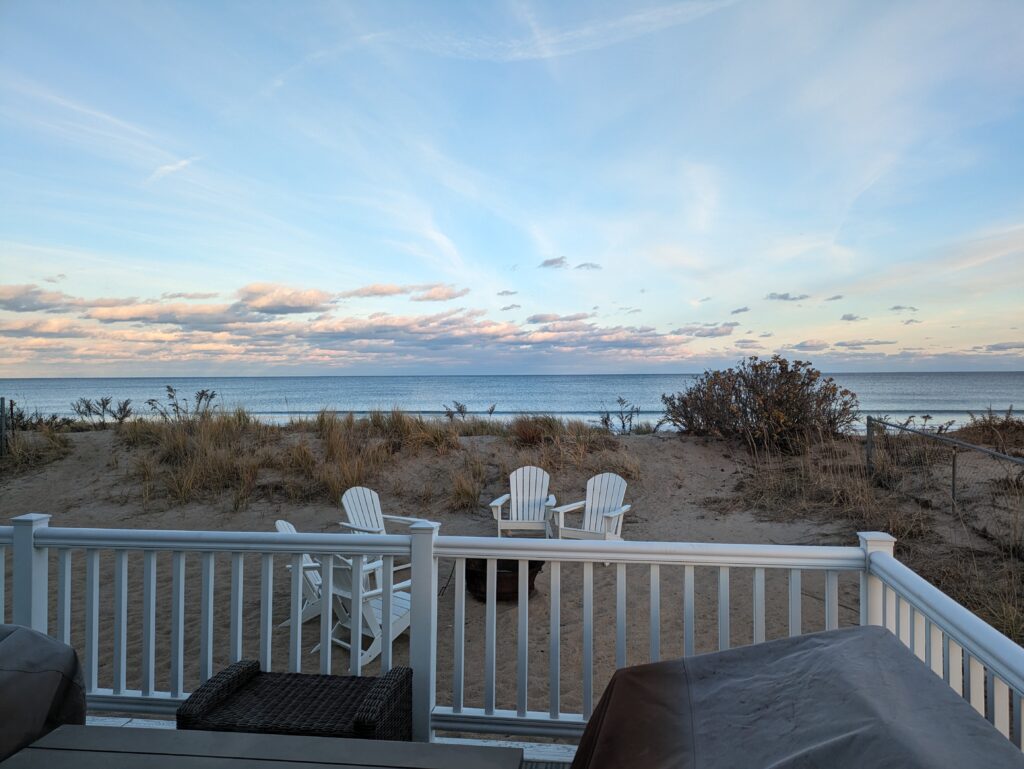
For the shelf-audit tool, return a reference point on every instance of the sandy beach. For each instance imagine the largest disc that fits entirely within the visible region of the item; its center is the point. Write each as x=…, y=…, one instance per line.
x=94, y=486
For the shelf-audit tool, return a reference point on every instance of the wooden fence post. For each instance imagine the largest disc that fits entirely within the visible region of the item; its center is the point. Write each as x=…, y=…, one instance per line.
x=869, y=446
x=3, y=426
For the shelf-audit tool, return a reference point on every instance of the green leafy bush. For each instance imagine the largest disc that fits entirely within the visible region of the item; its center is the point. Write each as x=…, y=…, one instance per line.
x=772, y=404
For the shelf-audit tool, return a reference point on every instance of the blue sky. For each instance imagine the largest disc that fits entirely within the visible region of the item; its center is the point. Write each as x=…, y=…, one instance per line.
x=248, y=188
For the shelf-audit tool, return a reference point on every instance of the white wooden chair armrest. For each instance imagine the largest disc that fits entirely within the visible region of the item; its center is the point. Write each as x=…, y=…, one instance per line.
x=377, y=591
x=363, y=529
x=497, y=504
x=609, y=518
x=570, y=508
x=402, y=518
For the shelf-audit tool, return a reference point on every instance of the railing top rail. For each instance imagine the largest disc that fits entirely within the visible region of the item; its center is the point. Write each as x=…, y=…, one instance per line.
x=951, y=441
x=224, y=541
x=683, y=553
x=6, y=535
x=982, y=641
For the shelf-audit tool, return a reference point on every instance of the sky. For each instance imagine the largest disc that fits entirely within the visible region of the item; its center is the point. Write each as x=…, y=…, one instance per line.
x=224, y=188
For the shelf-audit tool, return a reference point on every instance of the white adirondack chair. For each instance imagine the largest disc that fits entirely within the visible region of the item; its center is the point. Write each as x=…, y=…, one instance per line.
x=312, y=580
x=362, y=506
x=602, y=510
x=529, y=504
x=372, y=635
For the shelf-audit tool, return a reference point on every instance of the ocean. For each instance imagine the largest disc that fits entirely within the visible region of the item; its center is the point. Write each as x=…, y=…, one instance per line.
x=943, y=396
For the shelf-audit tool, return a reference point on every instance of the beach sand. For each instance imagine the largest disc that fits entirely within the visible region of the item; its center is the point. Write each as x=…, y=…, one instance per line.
x=92, y=487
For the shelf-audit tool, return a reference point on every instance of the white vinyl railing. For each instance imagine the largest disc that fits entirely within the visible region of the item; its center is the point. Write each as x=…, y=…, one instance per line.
x=154, y=613
x=977, y=661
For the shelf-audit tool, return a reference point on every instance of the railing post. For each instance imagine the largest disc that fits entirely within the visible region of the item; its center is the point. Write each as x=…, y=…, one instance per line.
x=869, y=446
x=870, y=585
x=31, y=598
x=423, y=628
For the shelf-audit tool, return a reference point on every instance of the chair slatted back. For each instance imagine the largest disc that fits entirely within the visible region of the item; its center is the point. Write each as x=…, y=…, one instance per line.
x=362, y=506
x=312, y=581
x=605, y=493
x=529, y=491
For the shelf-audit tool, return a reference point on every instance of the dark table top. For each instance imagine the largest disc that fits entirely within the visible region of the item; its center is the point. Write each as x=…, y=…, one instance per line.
x=104, y=747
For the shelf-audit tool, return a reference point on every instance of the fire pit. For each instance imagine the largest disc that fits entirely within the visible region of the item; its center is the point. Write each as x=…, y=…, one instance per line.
x=507, y=578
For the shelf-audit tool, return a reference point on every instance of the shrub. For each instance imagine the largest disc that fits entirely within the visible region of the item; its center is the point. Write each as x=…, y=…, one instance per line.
x=770, y=404
x=1002, y=431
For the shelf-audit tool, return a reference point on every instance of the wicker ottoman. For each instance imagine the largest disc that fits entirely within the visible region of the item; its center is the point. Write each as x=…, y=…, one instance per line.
x=242, y=699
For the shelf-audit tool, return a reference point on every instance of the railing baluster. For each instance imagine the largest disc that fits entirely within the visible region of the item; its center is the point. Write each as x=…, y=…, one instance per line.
x=919, y=635
x=3, y=584
x=890, y=611
x=934, y=652
x=459, y=643
x=206, y=619
x=1001, y=706
x=266, y=609
x=63, y=594
x=990, y=706
x=1018, y=718
x=555, y=648
x=723, y=608
x=688, y=613
x=148, y=622
x=387, y=612
x=355, y=657
x=831, y=600
x=759, y=606
x=92, y=620
x=655, y=652
x=905, y=628
x=976, y=684
x=523, y=638
x=588, y=638
x=326, y=612
x=295, y=614
x=177, y=623
x=120, y=620
x=490, y=618
x=620, y=615
x=237, y=604
x=795, y=607
x=956, y=666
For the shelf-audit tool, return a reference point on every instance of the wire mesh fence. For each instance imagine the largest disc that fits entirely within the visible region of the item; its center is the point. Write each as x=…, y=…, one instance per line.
x=983, y=488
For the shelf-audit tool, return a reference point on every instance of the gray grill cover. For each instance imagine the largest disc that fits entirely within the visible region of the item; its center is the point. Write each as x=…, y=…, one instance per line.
x=846, y=698
x=40, y=687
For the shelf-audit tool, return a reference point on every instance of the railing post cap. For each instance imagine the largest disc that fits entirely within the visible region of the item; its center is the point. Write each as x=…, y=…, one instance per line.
x=33, y=519
x=876, y=540
x=424, y=527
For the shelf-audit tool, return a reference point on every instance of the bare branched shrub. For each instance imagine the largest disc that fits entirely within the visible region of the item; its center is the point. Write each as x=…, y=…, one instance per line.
x=771, y=404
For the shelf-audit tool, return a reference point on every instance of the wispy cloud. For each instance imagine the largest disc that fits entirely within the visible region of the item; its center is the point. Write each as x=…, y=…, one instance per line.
x=834, y=298
x=557, y=263
x=811, y=345
x=592, y=35
x=859, y=344
x=903, y=308
x=439, y=294
x=738, y=310
x=506, y=292
x=167, y=169
x=508, y=307
x=851, y=317
x=588, y=266
x=786, y=297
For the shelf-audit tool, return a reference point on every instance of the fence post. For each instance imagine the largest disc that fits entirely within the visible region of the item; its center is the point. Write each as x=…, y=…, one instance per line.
x=870, y=585
x=869, y=446
x=423, y=628
x=3, y=426
x=30, y=595
x=952, y=491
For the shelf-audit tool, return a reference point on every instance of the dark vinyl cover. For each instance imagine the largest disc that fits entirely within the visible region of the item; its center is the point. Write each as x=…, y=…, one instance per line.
x=851, y=698
x=41, y=687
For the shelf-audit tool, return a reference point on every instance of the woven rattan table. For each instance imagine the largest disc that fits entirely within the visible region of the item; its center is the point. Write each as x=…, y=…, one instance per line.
x=105, y=747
